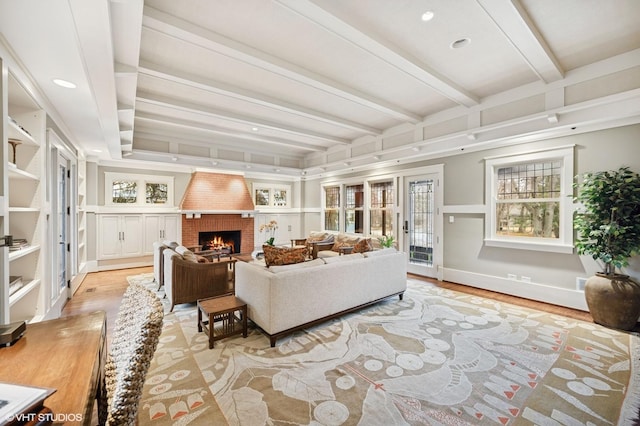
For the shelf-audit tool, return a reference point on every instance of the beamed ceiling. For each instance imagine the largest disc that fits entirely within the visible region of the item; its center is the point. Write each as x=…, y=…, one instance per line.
x=314, y=87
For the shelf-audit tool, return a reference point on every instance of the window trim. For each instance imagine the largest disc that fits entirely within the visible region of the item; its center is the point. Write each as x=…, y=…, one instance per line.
x=564, y=242
x=366, y=207
x=141, y=180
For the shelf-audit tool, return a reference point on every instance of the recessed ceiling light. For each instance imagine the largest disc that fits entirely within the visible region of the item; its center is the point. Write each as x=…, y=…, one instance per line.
x=174, y=158
x=64, y=83
x=460, y=43
x=255, y=129
x=427, y=16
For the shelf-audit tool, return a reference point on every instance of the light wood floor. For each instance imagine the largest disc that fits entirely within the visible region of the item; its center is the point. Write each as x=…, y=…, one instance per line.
x=104, y=290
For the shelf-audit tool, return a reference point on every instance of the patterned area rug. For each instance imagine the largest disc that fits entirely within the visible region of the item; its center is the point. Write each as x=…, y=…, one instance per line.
x=436, y=358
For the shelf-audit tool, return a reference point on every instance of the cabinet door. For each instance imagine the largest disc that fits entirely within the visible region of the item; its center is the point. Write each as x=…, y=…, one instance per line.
x=152, y=231
x=170, y=231
x=109, y=237
x=132, y=241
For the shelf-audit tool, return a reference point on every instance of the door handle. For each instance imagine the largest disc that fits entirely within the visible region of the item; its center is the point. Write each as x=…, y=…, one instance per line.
x=406, y=227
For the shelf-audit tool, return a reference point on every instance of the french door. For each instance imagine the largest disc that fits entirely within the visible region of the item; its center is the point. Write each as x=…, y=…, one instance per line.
x=423, y=223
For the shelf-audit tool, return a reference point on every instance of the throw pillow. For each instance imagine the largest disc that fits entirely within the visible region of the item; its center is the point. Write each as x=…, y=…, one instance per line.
x=344, y=241
x=317, y=236
x=363, y=245
x=284, y=255
x=187, y=254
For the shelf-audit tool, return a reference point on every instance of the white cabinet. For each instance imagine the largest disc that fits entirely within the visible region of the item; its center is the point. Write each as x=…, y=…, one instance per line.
x=119, y=235
x=159, y=227
x=22, y=295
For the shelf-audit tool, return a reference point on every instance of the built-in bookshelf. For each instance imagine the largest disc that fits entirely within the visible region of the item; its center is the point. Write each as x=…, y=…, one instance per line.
x=23, y=124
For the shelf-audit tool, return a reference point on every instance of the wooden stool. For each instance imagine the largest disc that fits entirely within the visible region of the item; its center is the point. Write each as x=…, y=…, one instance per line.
x=222, y=309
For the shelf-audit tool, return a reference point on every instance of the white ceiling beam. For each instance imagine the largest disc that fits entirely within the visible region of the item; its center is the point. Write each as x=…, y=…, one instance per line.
x=392, y=55
x=188, y=107
x=198, y=36
x=518, y=28
x=191, y=125
x=239, y=93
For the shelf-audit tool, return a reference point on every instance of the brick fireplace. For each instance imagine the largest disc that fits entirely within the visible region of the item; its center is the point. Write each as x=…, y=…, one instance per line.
x=191, y=228
x=215, y=202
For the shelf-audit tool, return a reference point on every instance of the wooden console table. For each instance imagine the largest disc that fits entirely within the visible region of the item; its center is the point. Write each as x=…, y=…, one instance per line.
x=66, y=354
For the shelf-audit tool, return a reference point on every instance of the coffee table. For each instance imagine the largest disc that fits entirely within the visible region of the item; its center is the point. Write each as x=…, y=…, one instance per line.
x=225, y=311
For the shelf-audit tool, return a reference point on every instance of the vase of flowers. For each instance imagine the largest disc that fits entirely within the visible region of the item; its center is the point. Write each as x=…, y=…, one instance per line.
x=270, y=229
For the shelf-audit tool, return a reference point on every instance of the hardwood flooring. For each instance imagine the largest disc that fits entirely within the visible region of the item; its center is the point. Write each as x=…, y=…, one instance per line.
x=104, y=290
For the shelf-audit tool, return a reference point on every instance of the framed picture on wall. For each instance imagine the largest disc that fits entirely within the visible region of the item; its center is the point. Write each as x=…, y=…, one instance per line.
x=262, y=196
x=268, y=195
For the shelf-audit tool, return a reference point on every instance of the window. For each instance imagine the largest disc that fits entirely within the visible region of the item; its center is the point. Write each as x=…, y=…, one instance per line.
x=128, y=189
x=381, y=209
x=529, y=201
x=332, y=208
x=354, y=209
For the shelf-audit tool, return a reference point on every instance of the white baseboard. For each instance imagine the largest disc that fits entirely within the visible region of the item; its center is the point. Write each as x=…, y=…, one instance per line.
x=123, y=263
x=527, y=290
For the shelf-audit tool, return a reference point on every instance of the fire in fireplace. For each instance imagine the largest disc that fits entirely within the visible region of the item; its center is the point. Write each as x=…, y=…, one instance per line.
x=222, y=241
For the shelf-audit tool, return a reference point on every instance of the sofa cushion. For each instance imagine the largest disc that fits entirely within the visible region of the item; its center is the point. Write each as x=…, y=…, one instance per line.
x=345, y=258
x=384, y=251
x=187, y=254
x=343, y=240
x=293, y=266
x=363, y=245
x=284, y=255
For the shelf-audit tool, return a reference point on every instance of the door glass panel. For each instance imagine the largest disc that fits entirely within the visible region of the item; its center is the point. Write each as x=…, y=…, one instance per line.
x=421, y=222
x=62, y=229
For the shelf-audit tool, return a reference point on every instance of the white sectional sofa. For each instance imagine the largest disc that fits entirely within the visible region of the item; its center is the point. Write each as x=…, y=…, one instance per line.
x=283, y=299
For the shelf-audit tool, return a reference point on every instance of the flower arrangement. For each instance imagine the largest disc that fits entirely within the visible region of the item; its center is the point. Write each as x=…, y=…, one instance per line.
x=271, y=231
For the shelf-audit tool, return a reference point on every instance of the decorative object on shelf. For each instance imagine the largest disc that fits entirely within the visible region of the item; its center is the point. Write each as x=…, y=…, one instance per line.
x=387, y=241
x=6, y=241
x=271, y=228
x=14, y=142
x=15, y=284
x=609, y=231
x=18, y=244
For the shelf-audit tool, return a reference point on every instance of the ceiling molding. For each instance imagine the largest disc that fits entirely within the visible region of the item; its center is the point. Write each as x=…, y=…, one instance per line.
x=381, y=49
x=190, y=109
x=517, y=27
x=189, y=33
x=254, y=98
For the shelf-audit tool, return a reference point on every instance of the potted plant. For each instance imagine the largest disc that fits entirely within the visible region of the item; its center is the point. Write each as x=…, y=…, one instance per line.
x=386, y=241
x=271, y=231
x=608, y=228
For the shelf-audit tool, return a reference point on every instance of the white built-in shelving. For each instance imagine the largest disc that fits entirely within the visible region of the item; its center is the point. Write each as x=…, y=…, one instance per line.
x=23, y=174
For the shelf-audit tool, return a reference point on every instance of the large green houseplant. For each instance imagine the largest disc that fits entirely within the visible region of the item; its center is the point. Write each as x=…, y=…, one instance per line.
x=608, y=228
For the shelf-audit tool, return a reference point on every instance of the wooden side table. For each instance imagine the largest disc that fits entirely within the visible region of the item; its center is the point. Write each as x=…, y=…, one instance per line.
x=223, y=309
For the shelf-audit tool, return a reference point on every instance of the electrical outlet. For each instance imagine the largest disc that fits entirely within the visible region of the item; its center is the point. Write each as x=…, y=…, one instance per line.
x=512, y=276
x=525, y=279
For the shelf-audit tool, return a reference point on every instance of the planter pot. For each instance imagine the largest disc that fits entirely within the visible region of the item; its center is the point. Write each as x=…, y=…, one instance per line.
x=613, y=301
